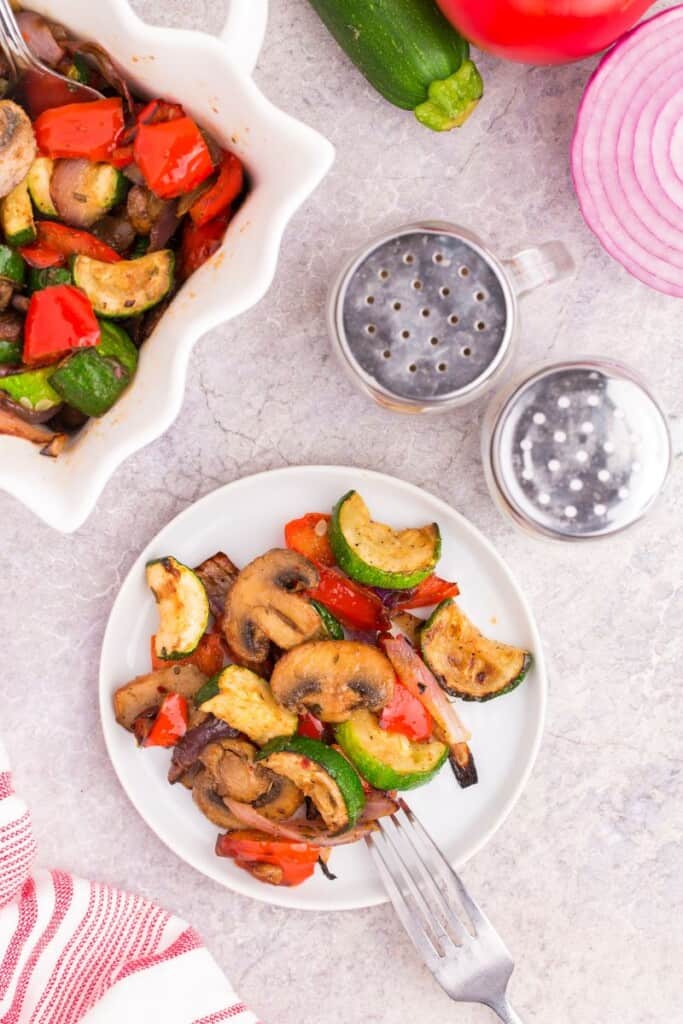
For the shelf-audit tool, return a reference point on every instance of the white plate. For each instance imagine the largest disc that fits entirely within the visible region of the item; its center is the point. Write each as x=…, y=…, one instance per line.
x=246, y=518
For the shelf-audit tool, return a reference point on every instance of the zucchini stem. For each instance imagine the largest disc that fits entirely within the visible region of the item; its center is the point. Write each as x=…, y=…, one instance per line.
x=451, y=100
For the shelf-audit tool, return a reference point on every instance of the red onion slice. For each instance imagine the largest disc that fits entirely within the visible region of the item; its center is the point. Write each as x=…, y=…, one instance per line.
x=627, y=152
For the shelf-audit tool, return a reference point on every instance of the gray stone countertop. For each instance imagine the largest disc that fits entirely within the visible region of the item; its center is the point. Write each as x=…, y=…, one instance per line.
x=584, y=880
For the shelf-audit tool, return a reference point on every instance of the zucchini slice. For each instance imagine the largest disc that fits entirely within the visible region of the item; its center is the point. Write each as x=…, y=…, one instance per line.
x=32, y=389
x=388, y=760
x=245, y=702
x=322, y=774
x=183, y=608
x=466, y=663
x=128, y=287
x=90, y=383
x=38, y=182
x=46, y=278
x=16, y=216
x=12, y=266
x=377, y=555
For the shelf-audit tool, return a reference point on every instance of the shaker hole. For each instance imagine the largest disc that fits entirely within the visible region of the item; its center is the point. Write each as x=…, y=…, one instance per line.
x=433, y=341
x=384, y=274
x=412, y=367
x=405, y=334
x=480, y=325
x=466, y=351
x=438, y=257
x=464, y=271
x=397, y=306
x=417, y=285
x=570, y=512
x=479, y=296
x=445, y=292
x=371, y=329
x=386, y=353
x=453, y=319
x=575, y=484
x=553, y=465
x=442, y=367
x=563, y=402
x=409, y=258
x=599, y=509
x=426, y=312
x=370, y=299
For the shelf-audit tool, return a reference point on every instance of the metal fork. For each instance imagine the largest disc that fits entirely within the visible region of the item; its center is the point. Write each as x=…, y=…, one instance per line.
x=468, y=959
x=40, y=86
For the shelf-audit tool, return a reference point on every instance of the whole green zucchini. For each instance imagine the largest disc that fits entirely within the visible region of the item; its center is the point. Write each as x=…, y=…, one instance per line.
x=410, y=54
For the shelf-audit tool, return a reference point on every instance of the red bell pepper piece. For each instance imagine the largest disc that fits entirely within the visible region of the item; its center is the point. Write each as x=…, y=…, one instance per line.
x=308, y=535
x=293, y=862
x=311, y=727
x=431, y=591
x=121, y=156
x=407, y=715
x=208, y=657
x=88, y=130
x=170, y=725
x=59, y=320
x=218, y=198
x=172, y=156
x=354, y=605
x=158, y=111
x=198, y=244
x=41, y=256
x=73, y=242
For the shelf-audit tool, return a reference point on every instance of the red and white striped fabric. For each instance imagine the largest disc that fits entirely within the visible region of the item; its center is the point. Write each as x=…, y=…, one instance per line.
x=74, y=951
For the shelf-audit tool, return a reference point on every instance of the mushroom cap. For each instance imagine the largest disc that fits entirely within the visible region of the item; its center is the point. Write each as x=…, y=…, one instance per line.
x=17, y=145
x=333, y=678
x=266, y=605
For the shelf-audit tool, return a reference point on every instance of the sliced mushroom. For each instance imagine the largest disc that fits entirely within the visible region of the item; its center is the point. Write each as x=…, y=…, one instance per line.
x=332, y=679
x=186, y=753
x=282, y=800
x=265, y=604
x=210, y=803
x=17, y=146
x=230, y=764
x=13, y=424
x=148, y=691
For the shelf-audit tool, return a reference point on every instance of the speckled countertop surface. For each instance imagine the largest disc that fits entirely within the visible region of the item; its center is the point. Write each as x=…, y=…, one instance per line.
x=584, y=880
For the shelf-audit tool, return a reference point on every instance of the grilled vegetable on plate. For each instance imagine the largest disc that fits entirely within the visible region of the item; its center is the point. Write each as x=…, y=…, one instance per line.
x=301, y=733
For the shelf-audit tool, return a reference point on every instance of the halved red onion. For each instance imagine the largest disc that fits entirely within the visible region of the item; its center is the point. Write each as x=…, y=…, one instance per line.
x=627, y=152
x=39, y=38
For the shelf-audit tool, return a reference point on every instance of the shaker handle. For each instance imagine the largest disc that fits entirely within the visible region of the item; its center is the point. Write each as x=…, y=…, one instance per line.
x=544, y=264
x=243, y=32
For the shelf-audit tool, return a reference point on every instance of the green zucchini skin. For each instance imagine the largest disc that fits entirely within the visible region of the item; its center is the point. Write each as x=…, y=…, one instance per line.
x=404, y=48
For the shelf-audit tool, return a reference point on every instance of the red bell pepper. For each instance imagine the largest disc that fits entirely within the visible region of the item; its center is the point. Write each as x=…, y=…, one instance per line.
x=311, y=727
x=198, y=244
x=218, y=198
x=170, y=725
x=431, y=591
x=293, y=862
x=407, y=715
x=72, y=242
x=59, y=320
x=41, y=256
x=159, y=111
x=88, y=130
x=208, y=657
x=172, y=156
x=121, y=156
x=354, y=605
x=308, y=535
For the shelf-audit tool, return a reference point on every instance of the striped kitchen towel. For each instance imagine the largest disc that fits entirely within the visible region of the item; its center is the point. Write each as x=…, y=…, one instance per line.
x=73, y=951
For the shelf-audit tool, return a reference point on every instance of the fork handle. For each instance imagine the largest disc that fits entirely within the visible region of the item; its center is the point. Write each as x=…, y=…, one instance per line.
x=505, y=1012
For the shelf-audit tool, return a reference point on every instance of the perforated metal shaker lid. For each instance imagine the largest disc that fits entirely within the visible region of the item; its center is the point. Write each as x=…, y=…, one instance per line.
x=423, y=317
x=576, y=450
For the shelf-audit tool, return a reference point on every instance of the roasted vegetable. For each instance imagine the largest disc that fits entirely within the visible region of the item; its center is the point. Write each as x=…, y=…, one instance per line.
x=127, y=287
x=276, y=861
x=17, y=149
x=83, y=191
x=377, y=555
x=186, y=753
x=183, y=607
x=333, y=678
x=230, y=763
x=265, y=604
x=148, y=691
x=16, y=216
x=388, y=760
x=410, y=54
x=466, y=663
x=217, y=574
x=321, y=774
x=246, y=702
x=210, y=803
